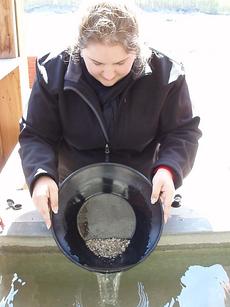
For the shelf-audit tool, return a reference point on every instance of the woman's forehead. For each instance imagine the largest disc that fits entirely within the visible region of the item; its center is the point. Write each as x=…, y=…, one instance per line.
x=105, y=53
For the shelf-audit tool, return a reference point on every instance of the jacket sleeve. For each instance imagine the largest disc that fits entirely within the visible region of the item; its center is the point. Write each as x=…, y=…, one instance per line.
x=40, y=132
x=178, y=132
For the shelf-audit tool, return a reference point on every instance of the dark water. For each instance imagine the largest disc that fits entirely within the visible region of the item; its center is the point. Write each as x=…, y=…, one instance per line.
x=185, y=278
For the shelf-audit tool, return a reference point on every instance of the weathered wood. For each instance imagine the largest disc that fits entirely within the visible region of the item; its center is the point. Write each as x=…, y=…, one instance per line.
x=10, y=112
x=1, y=153
x=22, y=52
x=13, y=75
x=8, y=30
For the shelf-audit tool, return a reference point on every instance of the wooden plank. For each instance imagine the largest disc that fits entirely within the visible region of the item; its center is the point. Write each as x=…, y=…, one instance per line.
x=8, y=34
x=21, y=39
x=10, y=111
x=1, y=153
x=20, y=26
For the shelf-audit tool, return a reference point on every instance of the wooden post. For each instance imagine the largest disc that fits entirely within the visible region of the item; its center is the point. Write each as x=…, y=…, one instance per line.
x=1, y=152
x=13, y=75
x=10, y=112
x=21, y=25
x=8, y=34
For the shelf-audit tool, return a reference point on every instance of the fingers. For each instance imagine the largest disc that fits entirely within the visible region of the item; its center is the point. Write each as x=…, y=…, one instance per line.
x=167, y=199
x=45, y=197
x=41, y=201
x=155, y=192
x=166, y=204
x=54, y=197
x=163, y=188
x=44, y=209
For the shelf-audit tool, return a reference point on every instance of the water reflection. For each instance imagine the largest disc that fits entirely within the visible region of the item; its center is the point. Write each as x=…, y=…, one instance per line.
x=203, y=286
x=15, y=286
x=144, y=300
x=109, y=291
x=51, y=281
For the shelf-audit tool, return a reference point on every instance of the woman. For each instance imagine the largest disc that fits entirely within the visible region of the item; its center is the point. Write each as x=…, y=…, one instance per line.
x=106, y=99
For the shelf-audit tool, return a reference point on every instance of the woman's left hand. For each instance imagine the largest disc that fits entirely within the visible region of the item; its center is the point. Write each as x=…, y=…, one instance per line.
x=163, y=188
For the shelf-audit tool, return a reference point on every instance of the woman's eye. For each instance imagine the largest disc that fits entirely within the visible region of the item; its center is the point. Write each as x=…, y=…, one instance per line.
x=97, y=64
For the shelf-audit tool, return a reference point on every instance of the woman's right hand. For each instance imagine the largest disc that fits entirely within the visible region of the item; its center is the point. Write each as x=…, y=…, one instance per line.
x=45, y=197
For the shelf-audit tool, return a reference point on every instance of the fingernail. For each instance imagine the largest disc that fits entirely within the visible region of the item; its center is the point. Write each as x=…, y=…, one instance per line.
x=55, y=210
x=153, y=200
x=48, y=225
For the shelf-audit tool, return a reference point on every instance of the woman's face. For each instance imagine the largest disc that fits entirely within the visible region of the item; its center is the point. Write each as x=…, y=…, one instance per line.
x=108, y=64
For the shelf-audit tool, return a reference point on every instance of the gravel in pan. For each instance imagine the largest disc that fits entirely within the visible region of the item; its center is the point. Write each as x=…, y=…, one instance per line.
x=108, y=248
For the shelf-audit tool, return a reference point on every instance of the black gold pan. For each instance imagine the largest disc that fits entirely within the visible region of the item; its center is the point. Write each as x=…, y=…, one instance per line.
x=106, y=222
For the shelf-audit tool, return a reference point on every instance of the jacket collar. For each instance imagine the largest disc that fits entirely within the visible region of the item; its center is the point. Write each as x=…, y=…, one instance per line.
x=73, y=72
x=73, y=80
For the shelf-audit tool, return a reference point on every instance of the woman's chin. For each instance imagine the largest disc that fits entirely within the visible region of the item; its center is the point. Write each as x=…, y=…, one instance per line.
x=108, y=82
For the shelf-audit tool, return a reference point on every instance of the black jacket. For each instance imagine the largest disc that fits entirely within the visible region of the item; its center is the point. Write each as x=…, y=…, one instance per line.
x=65, y=128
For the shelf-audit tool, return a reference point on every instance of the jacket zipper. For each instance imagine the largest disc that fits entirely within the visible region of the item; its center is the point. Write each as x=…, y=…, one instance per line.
x=107, y=149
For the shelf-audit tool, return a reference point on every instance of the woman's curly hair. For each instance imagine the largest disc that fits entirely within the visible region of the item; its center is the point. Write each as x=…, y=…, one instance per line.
x=112, y=23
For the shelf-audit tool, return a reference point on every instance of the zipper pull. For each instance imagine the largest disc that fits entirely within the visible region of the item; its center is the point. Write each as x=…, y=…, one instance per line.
x=107, y=152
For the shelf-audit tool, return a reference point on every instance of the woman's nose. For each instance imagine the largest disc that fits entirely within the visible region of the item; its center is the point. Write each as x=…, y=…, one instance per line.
x=108, y=73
